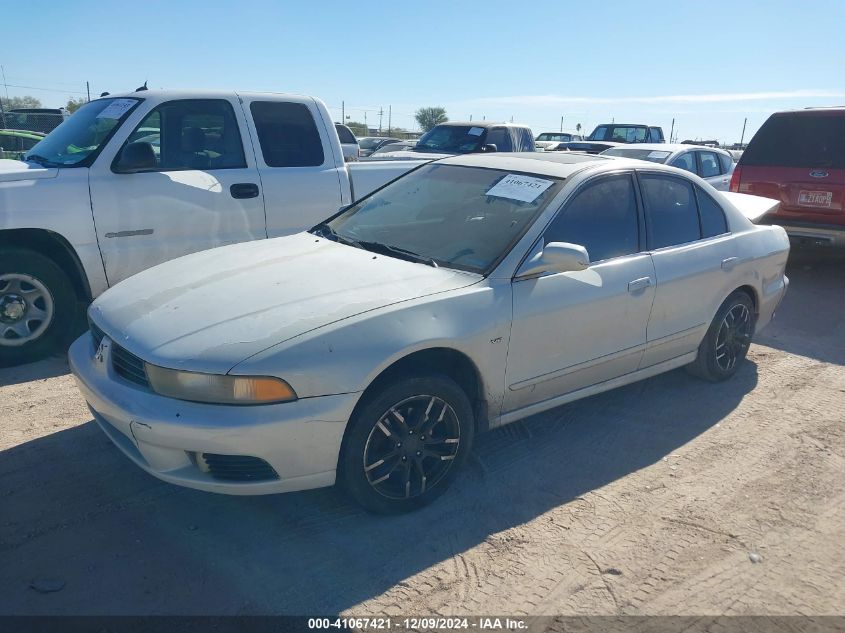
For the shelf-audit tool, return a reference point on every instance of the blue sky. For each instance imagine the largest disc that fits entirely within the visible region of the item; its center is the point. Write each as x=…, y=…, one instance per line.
x=707, y=64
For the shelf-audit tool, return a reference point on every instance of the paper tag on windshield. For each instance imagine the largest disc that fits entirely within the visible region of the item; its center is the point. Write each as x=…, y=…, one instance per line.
x=476, y=131
x=522, y=188
x=116, y=109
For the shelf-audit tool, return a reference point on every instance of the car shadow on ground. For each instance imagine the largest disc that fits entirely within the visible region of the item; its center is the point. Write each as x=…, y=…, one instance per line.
x=110, y=532
x=809, y=321
x=47, y=368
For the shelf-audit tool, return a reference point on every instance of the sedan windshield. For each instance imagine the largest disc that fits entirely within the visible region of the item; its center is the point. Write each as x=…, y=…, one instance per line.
x=82, y=135
x=452, y=139
x=446, y=215
x=654, y=156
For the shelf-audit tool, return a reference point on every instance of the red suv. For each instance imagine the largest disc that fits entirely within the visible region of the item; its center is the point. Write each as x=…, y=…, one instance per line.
x=798, y=158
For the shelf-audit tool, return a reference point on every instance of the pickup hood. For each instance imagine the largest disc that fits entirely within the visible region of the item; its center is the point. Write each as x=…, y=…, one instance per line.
x=406, y=154
x=11, y=170
x=211, y=310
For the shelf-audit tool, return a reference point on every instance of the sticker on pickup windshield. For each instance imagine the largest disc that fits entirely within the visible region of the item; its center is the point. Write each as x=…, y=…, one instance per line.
x=476, y=131
x=517, y=187
x=116, y=109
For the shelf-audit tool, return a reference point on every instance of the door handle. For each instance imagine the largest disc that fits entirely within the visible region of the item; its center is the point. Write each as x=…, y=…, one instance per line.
x=729, y=262
x=244, y=190
x=639, y=284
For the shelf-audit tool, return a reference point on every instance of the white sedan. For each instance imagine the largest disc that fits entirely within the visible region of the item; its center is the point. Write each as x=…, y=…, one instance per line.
x=470, y=293
x=712, y=164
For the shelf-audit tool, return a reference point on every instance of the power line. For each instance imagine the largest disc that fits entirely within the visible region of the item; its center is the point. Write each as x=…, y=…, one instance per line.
x=78, y=92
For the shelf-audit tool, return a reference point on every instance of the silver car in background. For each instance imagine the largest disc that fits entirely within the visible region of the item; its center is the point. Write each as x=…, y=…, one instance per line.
x=467, y=294
x=712, y=164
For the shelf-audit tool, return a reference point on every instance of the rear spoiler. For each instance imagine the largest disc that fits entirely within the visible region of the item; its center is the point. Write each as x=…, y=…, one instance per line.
x=752, y=207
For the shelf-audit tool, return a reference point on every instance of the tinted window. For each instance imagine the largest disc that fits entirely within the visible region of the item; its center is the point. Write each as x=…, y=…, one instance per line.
x=10, y=143
x=709, y=164
x=525, y=140
x=712, y=217
x=602, y=218
x=655, y=135
x=799, y=140
x=726, y=163
x=671, y=213
x=345, y=134
x=501, y=138
x=685, y=161
x=192, y=134
x=287, y=134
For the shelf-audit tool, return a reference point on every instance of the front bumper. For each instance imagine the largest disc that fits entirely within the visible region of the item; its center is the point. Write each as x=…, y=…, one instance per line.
x=300, y=440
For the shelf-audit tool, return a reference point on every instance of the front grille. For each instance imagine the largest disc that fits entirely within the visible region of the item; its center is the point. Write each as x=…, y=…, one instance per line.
x=96, y=333
x=128, y=366
x=238, y=468
x=125, y=363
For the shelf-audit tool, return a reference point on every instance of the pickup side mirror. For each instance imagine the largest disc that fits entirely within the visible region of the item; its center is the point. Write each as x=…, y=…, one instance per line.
x=490, y=147
x=556, y=257
x=136, y=157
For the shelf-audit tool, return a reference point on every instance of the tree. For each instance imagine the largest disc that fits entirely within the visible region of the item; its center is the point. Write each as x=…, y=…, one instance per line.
x=20, y=102
x=431, y=116
x=358, y=128
x=74, y=104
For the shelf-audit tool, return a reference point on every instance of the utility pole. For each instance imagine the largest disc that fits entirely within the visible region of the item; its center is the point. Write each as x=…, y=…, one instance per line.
x=389, y=119
x=672, y=130
x=3, y=71
x=343, y=112
x=380, y=114
x=470, y=118
x=366, y=126
x=742, y=138
x=88, y=90
x=561, y=124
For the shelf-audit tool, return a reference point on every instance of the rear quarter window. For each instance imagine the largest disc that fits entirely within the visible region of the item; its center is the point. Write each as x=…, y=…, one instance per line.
x=287, y=134
x=798, y=140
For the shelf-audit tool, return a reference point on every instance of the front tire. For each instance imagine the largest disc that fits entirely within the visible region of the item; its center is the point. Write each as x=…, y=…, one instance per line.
x=406, y=442
x=37, y=306
x=727, y=340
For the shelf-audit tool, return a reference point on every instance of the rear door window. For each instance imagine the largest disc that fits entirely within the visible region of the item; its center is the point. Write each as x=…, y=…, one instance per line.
x=671, y=211
x=602, y=218
x=501, y=138
x=726, y=163
x=709, y=165
x=798, y=140
x=712, y=217
x=287, y=134
x=345, y=134
x=685, y=161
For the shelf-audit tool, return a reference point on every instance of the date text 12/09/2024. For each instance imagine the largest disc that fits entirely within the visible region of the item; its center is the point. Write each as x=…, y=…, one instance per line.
x=419, y=623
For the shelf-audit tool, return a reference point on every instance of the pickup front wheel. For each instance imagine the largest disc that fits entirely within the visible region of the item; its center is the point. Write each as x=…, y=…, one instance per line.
x=37, y=306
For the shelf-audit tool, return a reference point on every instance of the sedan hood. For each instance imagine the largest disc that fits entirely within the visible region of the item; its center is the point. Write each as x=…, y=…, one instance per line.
x=11, y=170
x=211, y=310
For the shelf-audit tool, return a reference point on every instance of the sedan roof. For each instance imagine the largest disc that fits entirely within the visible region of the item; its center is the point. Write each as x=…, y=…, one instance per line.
x=560, y=165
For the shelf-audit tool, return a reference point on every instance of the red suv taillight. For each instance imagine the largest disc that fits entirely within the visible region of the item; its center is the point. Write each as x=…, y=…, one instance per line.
x=736, y=178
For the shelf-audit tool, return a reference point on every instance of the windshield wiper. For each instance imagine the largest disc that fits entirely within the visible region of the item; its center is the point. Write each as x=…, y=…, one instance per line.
x=324, y=230
x=41, y=160
x=402, y=253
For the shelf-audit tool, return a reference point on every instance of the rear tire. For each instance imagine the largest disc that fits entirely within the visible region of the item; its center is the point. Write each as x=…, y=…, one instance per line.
x=727, y=340
x=406, y=442
x=38, y=307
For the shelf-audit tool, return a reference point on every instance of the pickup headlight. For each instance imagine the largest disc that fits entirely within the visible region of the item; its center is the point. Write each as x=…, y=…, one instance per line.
x=218, y=388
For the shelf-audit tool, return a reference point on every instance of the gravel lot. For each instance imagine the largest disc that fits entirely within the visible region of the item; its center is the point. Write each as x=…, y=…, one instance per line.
x=671, y=496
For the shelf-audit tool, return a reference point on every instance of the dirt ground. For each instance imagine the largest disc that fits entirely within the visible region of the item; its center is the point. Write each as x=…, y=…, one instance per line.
x=671, y=496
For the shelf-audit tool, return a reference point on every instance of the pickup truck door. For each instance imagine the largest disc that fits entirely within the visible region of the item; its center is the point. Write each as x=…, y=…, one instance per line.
x=299, y=160
x=193, y=185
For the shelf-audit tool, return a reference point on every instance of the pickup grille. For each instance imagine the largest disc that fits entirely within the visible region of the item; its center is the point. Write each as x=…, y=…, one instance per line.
x=125, y=363
x=238, y=467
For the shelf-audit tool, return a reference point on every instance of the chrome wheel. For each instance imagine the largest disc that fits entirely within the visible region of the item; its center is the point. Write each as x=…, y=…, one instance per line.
x=412, y=447
x=734, y=337
x=26, y=309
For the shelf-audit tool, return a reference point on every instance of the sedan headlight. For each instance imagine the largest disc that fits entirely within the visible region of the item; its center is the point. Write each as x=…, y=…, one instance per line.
x=218, y=388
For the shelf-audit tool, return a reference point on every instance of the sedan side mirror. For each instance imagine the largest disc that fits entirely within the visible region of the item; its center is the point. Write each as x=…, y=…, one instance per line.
x=490, y=147
x=136, y=157
x=556, y=257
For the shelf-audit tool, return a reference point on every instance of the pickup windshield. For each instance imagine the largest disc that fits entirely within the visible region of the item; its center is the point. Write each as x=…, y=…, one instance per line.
x=620, y=133
x=82, y=135
x=466, y=218
x=452, y=139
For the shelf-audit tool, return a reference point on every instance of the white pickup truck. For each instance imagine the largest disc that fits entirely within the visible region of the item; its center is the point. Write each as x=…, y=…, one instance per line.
x=133, y=180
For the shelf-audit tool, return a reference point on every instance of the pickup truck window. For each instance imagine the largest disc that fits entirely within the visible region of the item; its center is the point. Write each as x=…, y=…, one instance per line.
x=192, y=134
x=619, y=133
x=287, y=134
x=501, y=138
x=77, y=141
